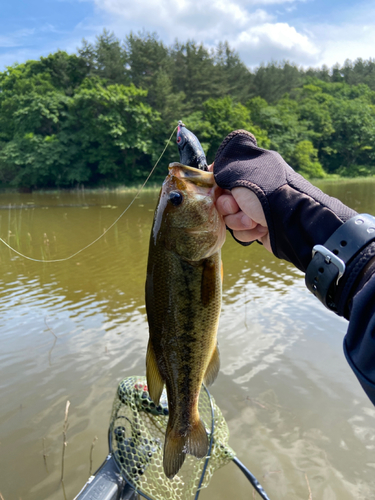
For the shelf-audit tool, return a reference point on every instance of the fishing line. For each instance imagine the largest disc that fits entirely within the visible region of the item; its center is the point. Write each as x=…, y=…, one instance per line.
x=106, y=230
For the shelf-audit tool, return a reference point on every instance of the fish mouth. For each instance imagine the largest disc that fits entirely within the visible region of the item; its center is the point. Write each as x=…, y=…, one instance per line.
x=195, y=175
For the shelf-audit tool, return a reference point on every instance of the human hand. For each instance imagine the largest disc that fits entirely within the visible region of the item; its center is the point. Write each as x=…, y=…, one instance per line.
x=243, y=213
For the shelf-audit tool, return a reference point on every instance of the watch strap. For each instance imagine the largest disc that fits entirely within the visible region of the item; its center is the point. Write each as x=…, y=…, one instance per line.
x=329, y=261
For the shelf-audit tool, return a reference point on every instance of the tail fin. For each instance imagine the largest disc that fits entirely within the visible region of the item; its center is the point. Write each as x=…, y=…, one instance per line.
x=176, y=446
x=174, y=452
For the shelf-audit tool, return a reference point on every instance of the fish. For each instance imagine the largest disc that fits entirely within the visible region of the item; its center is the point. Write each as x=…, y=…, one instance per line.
x=190, y=149
x=183, y=302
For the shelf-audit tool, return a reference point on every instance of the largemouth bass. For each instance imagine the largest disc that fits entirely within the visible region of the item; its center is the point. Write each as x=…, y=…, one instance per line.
x=183, y=301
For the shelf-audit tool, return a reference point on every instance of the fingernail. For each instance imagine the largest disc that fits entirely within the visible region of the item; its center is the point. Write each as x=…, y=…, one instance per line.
x=227, y=206
x=246, y=221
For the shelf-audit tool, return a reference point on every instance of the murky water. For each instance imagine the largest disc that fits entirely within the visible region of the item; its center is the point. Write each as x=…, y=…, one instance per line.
x=72, y=330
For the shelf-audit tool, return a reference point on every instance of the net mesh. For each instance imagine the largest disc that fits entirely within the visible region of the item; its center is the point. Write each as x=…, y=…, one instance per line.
x=137, y=431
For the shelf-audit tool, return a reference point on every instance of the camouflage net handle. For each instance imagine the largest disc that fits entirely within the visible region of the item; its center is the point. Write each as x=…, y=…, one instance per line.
x=136, y=441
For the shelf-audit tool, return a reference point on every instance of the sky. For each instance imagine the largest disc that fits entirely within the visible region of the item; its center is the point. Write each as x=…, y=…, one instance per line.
x=305, y=32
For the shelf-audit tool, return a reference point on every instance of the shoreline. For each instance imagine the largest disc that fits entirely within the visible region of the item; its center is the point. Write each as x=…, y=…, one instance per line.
x=152, y=186
x=87, y=190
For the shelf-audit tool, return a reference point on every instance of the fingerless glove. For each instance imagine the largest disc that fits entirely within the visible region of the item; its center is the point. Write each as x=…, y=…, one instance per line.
x=299, y=215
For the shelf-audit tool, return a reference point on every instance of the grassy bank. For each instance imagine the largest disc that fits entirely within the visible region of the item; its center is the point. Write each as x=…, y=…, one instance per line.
x=156, y=185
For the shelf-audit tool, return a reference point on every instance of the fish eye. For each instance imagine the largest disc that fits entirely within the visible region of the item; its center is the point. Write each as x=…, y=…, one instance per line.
x=176, y=198
x=180, y=140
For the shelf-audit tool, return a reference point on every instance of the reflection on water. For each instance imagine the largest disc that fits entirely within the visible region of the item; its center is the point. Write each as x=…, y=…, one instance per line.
x=73, y=330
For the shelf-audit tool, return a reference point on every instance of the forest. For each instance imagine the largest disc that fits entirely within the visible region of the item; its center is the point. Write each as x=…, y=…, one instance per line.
x=102, y=116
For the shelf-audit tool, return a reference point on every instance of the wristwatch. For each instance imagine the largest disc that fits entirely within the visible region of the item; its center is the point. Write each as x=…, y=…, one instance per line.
x=330, y=261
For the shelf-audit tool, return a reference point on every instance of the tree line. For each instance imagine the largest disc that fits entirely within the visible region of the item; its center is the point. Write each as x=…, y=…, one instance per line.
x=101, y=117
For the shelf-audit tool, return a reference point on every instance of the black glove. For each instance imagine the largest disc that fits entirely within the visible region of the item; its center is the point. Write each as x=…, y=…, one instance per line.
x=298, y=214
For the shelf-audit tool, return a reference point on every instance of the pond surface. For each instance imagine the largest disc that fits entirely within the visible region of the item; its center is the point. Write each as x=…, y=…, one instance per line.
x=298, y=418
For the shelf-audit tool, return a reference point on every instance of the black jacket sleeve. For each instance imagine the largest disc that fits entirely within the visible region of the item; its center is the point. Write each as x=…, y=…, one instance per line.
x=359, y=342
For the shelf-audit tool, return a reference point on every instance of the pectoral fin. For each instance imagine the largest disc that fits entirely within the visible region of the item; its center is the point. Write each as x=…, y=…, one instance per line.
x=155, y=382
x=213, y=367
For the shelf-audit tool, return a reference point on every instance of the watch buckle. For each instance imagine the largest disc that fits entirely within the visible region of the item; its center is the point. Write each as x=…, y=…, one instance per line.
x=330, y=258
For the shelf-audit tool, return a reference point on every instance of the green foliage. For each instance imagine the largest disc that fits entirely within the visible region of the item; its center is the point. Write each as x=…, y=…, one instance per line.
x=337, y=119
x=57, y=71
x=282, y=124
x=306, y=160
x=105, y=59
x=234, y=77
x=112, y=130
x=218, y=118
x=100, y=133
x=273, y=81
x=342, y=120
x=102, y=116
x=30, y=153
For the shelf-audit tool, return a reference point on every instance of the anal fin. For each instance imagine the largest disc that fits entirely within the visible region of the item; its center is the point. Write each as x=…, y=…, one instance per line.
x=155, y=382
x=213, y=367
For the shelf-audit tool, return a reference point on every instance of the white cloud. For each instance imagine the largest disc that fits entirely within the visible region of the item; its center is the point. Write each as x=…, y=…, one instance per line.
x=276, y=41
x=252, y=27
x=347, y=41
x=251, y=30
x=203, y=20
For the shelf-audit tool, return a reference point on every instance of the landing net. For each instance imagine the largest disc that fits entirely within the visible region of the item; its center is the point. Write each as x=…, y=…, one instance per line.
x=136, y=435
